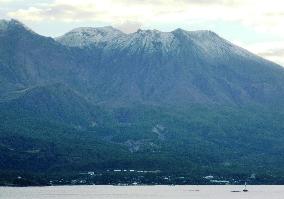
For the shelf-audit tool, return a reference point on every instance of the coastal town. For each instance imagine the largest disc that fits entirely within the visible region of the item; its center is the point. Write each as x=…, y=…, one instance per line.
x=131, y=177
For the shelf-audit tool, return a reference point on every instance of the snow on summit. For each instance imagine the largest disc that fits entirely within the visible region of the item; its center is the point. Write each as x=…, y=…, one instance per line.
x=153, y=41
x=86, y=36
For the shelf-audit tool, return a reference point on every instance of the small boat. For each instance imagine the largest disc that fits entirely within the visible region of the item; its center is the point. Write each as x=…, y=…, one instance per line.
x=245, y=189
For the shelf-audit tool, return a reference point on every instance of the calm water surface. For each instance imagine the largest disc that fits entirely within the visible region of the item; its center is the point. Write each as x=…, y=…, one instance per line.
x=142, y=192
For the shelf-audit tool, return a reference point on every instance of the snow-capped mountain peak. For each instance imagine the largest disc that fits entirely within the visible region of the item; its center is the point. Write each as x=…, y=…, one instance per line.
x=86, y=36
x=148, y=42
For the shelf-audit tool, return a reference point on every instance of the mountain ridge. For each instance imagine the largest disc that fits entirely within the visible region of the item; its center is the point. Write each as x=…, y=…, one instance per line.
x=174, y=68
x=201, y=48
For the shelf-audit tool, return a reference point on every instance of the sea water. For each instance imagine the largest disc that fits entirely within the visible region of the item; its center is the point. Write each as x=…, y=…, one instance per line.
x=142, y=192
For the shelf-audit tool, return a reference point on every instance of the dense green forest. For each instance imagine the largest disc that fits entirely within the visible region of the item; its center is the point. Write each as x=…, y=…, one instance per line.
x=198, y=141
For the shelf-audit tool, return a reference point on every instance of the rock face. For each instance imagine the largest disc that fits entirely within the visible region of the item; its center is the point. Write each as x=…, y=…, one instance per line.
x=177, y=67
